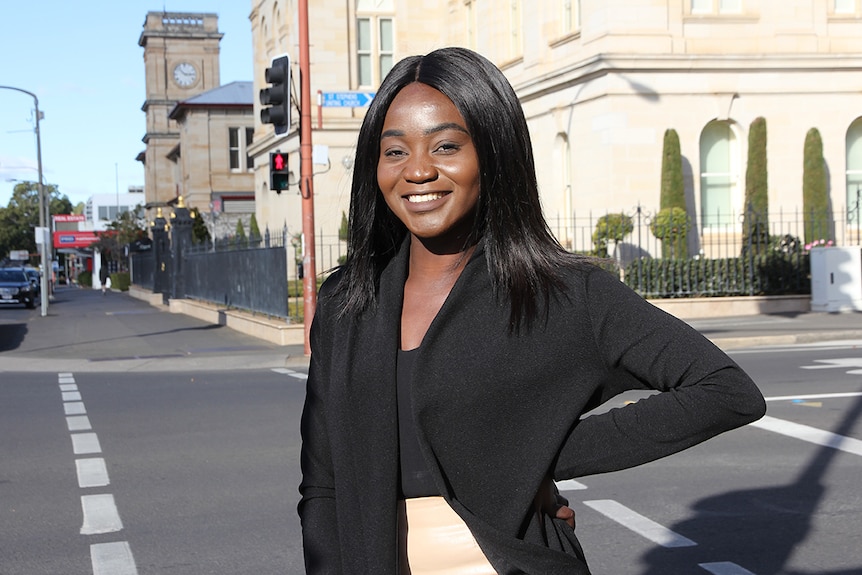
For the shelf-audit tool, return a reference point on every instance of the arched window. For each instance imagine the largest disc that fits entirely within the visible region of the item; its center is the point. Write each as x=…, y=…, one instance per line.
x=854, y=169
x=719, y=175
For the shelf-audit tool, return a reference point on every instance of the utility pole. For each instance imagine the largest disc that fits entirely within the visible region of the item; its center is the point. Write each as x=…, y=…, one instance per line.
x=44, y=207
x=306, y=183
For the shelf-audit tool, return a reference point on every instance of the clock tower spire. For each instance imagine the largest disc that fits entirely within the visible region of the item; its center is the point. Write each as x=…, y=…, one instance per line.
x=181, y=60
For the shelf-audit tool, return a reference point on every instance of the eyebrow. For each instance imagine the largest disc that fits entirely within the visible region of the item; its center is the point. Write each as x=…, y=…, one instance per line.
x=427, y=132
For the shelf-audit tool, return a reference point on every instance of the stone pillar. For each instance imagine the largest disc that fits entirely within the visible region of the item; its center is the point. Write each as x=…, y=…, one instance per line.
x=181, y=240
x=161, y=254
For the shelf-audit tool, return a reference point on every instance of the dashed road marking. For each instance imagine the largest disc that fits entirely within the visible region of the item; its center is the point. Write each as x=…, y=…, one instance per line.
x=724, y=568
x=100, y=514
x=290, y=372
x=84, y=443
x=92, y=472
x=112, y=559
x=570, y=485
x=639, y=524
x=78, y=423
x=74, y=408
x=71, y=396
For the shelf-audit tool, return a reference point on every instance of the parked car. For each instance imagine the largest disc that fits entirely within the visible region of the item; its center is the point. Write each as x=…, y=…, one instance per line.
x=35, y=277
x=16, y=287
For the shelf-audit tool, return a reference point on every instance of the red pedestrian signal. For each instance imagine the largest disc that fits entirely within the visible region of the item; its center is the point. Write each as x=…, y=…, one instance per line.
x=279, y=174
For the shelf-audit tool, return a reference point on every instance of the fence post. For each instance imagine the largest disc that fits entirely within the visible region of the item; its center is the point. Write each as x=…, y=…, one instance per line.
x=161, y=255
x=181, y=240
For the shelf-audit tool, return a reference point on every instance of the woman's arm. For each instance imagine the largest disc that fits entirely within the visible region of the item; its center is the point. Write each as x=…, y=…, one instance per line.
x=317, y=506
x=702, y=392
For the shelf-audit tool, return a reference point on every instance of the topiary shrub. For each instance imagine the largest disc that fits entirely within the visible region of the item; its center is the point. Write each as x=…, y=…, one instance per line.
x=610, y=227
x=671, y=225
x=85, y=279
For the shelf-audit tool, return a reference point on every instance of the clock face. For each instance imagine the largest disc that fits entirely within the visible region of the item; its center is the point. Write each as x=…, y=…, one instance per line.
x=185, y=74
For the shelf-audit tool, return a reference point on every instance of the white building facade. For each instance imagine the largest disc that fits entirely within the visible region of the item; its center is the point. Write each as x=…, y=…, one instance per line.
x=600, y=82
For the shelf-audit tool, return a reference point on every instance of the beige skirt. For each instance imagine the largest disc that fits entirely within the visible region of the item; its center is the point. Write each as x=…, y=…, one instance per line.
x=434, y=540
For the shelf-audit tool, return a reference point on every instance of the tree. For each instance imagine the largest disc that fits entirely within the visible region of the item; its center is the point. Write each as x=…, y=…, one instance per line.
x=610, y=228
x=200, y=233
x=671, y=225
x=20, y=218
x=755, y=223
x=127, y=228
x=253, y=229
x=815, y=198
x=342, y=230
x=673, y=194
x=240, y=233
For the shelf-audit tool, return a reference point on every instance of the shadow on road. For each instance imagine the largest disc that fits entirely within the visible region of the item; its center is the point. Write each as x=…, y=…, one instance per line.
x=758, y=529
x=11, y=335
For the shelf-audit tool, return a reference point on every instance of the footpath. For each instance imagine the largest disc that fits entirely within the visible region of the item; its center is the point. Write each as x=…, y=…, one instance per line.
x=86, y=331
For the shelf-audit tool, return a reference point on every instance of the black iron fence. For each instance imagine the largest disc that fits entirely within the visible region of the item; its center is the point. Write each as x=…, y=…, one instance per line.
x=658, y=254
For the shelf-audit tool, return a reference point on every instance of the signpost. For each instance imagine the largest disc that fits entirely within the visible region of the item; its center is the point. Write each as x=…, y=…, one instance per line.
x=345, y=99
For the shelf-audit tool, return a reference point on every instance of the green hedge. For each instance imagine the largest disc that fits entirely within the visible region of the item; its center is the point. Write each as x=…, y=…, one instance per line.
x=85, y=279
x=770, y=274
x=120, y=281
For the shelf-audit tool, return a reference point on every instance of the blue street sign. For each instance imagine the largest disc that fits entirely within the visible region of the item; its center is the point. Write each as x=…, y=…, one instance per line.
x=346, y=99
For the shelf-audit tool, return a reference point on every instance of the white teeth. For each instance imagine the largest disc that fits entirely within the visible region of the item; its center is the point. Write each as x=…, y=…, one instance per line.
x=415, y=199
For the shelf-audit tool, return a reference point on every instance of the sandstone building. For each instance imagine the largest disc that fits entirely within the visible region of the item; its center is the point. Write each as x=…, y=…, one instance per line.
x=600, y=81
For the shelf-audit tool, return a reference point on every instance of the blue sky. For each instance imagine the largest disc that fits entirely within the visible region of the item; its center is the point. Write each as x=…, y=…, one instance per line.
x=83, y=62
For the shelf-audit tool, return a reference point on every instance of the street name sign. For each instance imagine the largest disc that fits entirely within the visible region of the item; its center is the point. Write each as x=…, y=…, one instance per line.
x=346, y=99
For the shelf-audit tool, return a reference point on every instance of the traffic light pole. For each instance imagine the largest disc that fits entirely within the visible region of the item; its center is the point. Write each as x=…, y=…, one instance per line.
x=305, y=176
x=44, y=206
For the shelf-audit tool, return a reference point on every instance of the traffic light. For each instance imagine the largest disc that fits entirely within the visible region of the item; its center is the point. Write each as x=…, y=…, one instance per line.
x=277, y=96
x=278, y=172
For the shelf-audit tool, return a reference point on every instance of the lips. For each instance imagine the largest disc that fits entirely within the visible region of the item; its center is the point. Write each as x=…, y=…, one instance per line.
x=422, y=198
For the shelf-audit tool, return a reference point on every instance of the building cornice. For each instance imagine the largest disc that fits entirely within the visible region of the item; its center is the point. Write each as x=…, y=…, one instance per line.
x=606, y=64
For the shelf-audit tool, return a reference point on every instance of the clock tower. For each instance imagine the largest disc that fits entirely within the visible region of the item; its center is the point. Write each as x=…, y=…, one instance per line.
x=181, y=59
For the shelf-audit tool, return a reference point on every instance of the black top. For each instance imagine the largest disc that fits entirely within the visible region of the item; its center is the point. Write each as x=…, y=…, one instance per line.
x=416, y=479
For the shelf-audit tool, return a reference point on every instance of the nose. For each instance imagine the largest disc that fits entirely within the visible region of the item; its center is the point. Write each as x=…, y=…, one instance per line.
x=420, y=169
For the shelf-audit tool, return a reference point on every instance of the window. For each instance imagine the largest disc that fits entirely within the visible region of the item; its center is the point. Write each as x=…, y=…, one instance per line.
x=571, y=16
x=719, y=175
x=375, y=40
x=239, y=140
x=716, y=6
x=844, y=7
x=854, y=171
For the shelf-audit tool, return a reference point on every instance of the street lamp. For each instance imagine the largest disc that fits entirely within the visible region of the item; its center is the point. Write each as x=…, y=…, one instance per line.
x=47, y=268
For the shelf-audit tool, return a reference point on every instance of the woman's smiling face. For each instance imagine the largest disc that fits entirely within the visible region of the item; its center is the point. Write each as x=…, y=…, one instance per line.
x=428, y=169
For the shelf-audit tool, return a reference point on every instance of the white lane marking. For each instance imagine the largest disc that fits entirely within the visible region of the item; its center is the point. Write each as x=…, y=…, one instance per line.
x=810, y=434
x=639, y=524
x=844, y=362
x=78, y=423
x=92, y=472
x=83, y=443
x=71, y=396
x=65, y=374
x=68, y=387
x=68, y=379
x=74, y=408
x=814, y=396
x=570, y=485
x=724, y=568
x=113, y=559
x=100, y=514
x=290, y=372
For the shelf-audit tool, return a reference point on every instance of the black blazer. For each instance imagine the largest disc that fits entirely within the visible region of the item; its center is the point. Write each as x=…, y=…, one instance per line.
x=497, y=413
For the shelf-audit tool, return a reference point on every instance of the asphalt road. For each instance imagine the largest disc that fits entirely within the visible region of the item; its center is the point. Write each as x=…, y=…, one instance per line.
x=134, y=441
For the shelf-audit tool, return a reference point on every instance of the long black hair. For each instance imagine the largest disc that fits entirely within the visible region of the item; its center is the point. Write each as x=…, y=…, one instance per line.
x=523, y=256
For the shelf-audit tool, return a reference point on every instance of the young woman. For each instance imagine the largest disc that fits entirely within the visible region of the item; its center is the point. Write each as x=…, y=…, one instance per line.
x=455, y=352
